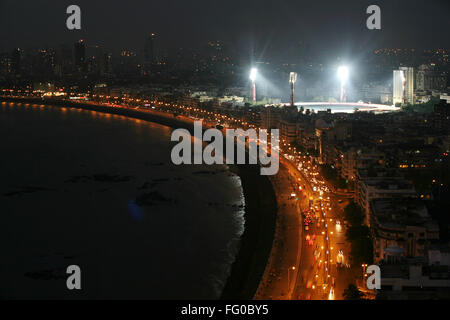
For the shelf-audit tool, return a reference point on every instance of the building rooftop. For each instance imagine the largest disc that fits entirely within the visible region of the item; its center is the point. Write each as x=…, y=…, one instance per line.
x=403, y=267
x=388, y=183
x=402, y=212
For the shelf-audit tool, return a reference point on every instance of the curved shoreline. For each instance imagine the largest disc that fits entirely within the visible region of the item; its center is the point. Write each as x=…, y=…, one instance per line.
x=260, y=202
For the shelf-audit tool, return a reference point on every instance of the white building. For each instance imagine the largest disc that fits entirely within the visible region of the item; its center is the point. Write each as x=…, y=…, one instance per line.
x=382, y=187
x=403, y=85
x=397, y=95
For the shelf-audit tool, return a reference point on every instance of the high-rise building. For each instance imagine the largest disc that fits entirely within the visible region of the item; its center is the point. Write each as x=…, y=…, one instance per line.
x=5, y=64
x=107, y=64
x=149, y=53
x=403, y=86
x=45, y=63
x=270, y=117
x=94, y=59
x=66, y=60
x=127, y=64
x=397, y=86
x=16, y=58
x=428, y=78
x=409, y=84
x=80, y=55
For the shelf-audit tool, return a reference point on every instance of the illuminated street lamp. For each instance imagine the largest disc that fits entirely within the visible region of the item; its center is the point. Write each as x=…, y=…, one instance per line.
x=289, y=282
x=331, y=294
x=364, y=266
x=253, y=73
x=343, y=76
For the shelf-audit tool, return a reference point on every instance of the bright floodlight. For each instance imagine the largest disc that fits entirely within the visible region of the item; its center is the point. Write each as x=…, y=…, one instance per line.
x=343, y=73
x=293, y=77
x=253, y=73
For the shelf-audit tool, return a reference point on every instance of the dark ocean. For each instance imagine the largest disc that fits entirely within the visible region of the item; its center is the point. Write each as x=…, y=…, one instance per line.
x=99, y=191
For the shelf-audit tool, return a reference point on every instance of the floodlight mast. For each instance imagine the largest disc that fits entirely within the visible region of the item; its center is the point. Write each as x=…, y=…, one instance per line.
x=292, y=81
x=253, y=91
x=253, y=73
x=343, y=76
x=343, y=98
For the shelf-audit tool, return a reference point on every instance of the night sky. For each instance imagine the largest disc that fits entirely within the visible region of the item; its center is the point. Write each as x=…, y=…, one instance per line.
x=262, y=25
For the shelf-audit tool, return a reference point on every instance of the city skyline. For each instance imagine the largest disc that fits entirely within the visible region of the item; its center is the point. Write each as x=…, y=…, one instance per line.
x=254, y=28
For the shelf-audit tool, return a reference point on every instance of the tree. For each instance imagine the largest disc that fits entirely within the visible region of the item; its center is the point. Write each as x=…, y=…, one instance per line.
x=332, y=99
x=354, y=214
x=318, y=99
x=361, y=244
x=330, y=173
x=426, y=107
x=352, y=293
x=358, y=235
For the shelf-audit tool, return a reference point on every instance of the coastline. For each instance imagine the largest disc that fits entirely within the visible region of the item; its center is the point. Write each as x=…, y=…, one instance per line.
x=260, y=202
x=256, y=242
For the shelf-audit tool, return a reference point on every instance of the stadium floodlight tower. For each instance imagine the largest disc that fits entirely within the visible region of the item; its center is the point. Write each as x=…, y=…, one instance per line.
x=253, y=73
x=292, y=81
x=343, y=76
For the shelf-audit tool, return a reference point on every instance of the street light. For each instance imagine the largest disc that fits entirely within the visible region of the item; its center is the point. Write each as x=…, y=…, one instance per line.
x=364, y=266
x=343, y=76
x=253, y=73
x=331, y=294
x=289, y=282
